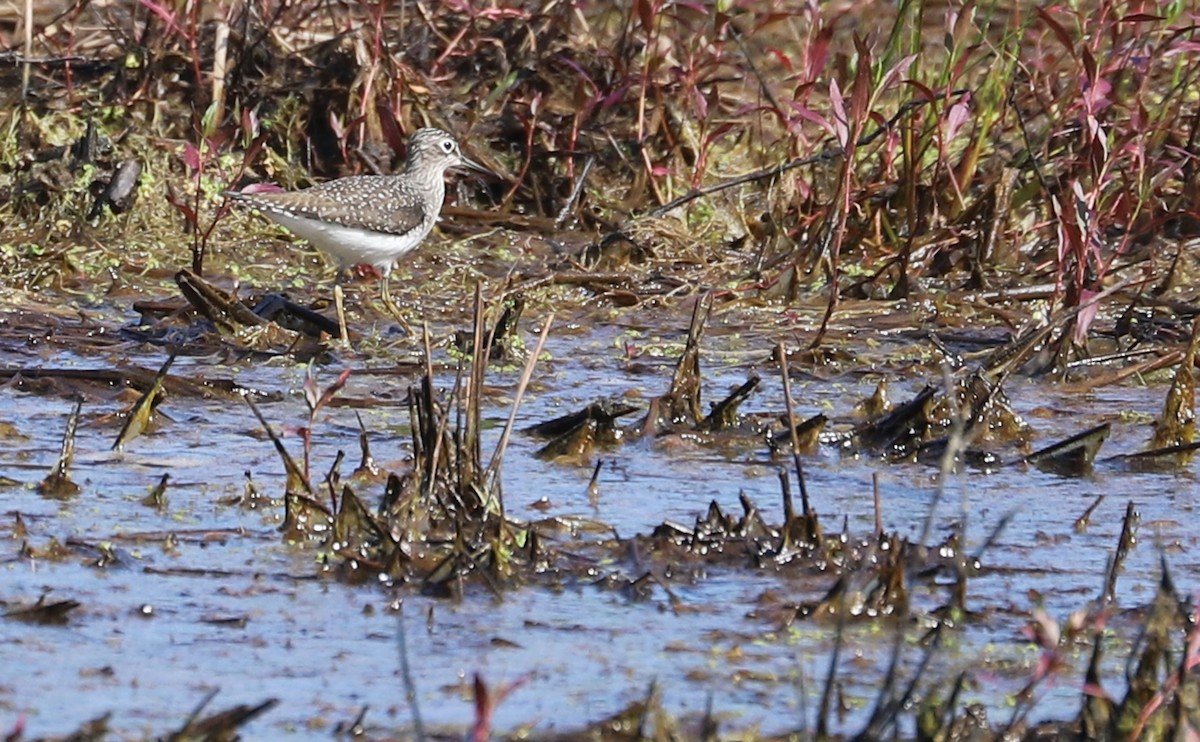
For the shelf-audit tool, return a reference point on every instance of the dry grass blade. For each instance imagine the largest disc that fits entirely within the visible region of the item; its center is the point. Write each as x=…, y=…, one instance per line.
x=26, y=68
x=296, y=480
x=493, y=468
x=781, y=352
x=220, y=68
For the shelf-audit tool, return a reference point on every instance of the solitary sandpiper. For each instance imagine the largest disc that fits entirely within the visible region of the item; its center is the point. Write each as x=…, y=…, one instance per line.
x=371, y=219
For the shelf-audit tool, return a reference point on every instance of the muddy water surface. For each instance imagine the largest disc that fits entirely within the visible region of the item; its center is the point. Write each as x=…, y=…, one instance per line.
x=204, y=595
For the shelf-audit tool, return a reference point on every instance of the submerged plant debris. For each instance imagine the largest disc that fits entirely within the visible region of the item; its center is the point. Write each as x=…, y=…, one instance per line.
x=804, y=370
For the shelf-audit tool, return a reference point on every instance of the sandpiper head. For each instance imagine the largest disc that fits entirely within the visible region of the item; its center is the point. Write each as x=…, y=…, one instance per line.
x=436, y=150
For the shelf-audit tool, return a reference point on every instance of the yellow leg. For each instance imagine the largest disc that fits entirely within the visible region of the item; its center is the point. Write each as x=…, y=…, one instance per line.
x=339, y=302
x=386, y=295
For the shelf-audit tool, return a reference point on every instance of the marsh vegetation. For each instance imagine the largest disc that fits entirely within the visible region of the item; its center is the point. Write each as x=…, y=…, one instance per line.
x=805, y=371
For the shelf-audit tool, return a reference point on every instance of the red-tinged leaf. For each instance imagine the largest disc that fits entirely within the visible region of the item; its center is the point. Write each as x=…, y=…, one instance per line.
x=356, y=121
x=191, y=157
x=1141, y=18
x=817, y=53
x=1063, y=37
x=645, y=13
x=1182, y=47
x=1070, y=240
x=581, y=71
x=18, y=729
x=840, y=122
x=959, y=114
x=614, y=97
x=1095, y=95
x=1147, y=711
x=925, y=92
x=768, y=18
x=1046, y=663
x=699, y=104
x=333, y=388
x=802, y=91
x=718, y=132
x=1087, y=315
x=1089, y=64
x=1096, y=691
x=808, y=114
x=507, y=689
x=1098, y=143
x=189, y=214
x=783, y=59
x=483, y=711
x=860, y=99
x=894, y=72
x=387, y=123
x=250, y=128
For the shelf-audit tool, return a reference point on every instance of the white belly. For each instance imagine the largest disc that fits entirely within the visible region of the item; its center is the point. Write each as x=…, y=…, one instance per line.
x=352, y=246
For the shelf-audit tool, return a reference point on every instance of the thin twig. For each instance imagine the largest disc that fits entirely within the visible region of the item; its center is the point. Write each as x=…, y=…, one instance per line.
x=791, y=413
x=27, y=69
x=878, y=505
x=831, y=675
x=570, y=204
x=410, y=687
x=288, y=462
x=526, y=375
x=220, y=68
x=435, y=453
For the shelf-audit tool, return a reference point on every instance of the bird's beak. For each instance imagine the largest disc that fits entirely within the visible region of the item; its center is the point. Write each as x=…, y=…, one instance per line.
x=464, y=161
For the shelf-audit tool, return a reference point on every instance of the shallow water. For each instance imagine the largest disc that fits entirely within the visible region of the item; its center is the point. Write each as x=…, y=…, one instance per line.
x=228, y=606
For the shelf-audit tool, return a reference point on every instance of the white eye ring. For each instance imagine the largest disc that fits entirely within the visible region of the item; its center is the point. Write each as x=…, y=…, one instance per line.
x=448, y=146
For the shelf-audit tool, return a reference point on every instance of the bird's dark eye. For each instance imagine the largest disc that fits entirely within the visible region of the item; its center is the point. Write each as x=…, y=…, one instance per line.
x=448, y=146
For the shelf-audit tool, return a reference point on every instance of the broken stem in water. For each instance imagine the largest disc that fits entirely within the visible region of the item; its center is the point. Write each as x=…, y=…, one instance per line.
x=526, y=375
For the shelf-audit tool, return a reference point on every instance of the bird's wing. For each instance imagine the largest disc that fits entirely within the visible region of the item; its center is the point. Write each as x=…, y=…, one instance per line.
x=368, y=201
